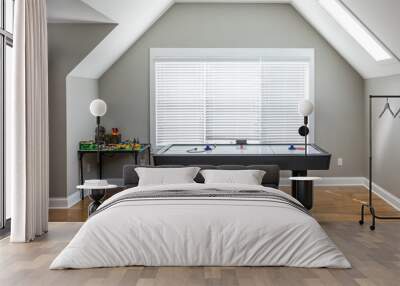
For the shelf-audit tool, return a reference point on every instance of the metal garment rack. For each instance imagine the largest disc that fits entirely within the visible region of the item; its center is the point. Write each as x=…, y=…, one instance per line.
x=370, y=205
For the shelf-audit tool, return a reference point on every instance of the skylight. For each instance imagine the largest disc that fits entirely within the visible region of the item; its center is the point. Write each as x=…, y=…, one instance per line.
x=356, y=29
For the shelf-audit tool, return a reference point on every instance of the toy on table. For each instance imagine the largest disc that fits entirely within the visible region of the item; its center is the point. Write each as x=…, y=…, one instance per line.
x=87, y=145
x=292, y=147
x=208, y=147
x=242, y=143
x=121, y=147
x=113, y=143
x=136, y=144
x=114, y=137
x=115, y=131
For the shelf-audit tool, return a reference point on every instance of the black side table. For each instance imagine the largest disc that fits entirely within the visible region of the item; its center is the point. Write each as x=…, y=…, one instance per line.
x=96, y=194
x=303, y=191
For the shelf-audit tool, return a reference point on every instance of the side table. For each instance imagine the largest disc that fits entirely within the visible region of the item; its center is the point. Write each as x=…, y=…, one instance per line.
x=303, y=190
x=96, y=194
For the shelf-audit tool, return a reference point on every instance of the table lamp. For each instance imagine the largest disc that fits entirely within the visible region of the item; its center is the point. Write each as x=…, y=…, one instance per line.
x=305, y=108
x=98, y=108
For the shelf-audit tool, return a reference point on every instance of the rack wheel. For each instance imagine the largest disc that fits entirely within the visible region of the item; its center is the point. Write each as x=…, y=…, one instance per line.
x=361, y=222
x=372, y=227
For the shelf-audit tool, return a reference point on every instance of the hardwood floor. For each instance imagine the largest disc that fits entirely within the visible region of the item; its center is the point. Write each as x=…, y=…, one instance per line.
x=375, y=256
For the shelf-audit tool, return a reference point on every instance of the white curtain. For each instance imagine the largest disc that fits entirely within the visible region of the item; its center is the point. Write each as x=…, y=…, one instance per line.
x=27, y=154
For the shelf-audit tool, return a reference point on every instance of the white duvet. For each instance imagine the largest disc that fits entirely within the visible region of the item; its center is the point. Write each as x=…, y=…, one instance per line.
x=206, y=231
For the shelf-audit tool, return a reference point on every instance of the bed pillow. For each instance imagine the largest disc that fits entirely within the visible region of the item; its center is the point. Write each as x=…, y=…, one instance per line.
x=247, y=177
x=166, y=176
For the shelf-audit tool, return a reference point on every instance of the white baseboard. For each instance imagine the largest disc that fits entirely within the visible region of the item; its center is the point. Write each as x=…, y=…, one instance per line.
x=384, y=194
x=74, y=198
x=64, y=203
x=331, y=181
x=58, y=203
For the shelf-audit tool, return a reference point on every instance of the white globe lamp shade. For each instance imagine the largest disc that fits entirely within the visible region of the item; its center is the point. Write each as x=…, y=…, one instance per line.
x=98, y=107
x=306, y=107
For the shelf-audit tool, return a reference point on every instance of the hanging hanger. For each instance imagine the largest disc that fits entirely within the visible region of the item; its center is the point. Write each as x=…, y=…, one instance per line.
x=387, y=107
x=397, y=113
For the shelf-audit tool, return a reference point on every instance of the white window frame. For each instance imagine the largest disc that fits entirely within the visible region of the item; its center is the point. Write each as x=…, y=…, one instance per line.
x=290, y=54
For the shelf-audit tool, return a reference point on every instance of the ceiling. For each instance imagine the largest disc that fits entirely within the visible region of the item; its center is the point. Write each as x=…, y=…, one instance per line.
x=135, y=17
x=382, y=17
x=73, y=11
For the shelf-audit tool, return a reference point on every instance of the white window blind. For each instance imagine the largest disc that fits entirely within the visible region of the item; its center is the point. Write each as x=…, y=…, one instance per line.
x=211, y=100
x=179, y=102
x=233, y=100
x=283, y=86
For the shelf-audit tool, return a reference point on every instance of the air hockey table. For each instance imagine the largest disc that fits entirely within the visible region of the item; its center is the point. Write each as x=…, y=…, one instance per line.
x=286, y=156
x=293, y=159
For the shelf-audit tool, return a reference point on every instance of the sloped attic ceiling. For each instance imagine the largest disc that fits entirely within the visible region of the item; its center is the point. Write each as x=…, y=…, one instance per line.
x=367, y=12
x=135, y=17
x=73, y=11
x=382, y=17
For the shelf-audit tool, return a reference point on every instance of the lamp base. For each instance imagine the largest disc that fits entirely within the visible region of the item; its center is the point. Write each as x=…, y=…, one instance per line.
x=304, y=131
x=100, y=133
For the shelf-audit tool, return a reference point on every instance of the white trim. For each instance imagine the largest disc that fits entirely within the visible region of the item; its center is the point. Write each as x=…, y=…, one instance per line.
x=331, y=181
x=58, y=203
x=384, y=194
x=294, y=54
x=352, y=24
x=8, y=236
x=65, y=203
x=74, y=198
x=300, y=54
x=152, y=101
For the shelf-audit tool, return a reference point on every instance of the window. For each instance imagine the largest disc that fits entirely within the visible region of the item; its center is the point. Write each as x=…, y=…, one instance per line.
x=6, y=43
x=349, y=22
x=220, y=95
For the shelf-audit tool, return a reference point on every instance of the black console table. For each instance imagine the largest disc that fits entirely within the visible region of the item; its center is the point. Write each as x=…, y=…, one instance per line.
x=135, y=153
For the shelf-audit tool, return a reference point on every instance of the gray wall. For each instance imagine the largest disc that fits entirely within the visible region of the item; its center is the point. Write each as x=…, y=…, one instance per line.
x=339, y=88
x=386, y=136
x=81, y=125
x=68, y=45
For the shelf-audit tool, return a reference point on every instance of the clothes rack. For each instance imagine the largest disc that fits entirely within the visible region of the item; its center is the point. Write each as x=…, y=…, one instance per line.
x=369, y=205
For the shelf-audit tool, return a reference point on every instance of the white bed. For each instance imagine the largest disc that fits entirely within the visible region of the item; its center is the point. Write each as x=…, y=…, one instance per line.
x=202, y=231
